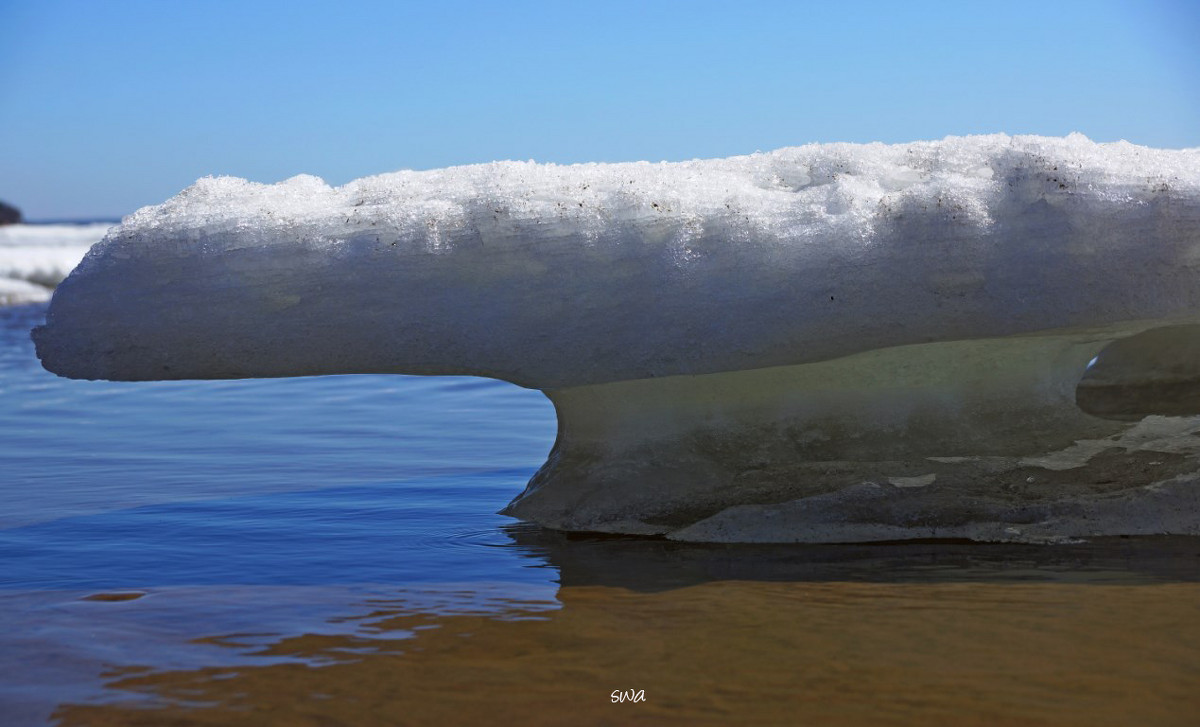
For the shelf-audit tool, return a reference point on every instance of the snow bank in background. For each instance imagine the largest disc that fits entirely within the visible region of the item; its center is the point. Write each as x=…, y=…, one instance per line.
x=35, y=258
x=18, y=292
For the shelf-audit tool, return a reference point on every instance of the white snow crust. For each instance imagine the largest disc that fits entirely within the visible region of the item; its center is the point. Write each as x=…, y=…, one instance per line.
x=35, y=258
x=553, y=276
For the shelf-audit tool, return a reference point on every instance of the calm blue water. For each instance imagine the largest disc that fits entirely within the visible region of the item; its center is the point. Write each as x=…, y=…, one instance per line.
x=267, y=506
x=355, y=479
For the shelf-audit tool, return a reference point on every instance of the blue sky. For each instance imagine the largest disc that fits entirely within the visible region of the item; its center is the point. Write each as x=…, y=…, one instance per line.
x=106, y=106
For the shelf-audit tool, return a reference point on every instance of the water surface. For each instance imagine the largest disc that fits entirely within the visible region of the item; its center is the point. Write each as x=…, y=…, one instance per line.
x=326, y=551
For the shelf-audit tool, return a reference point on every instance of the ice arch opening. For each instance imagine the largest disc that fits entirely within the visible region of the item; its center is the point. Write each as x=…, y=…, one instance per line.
x=826, y=343
x=1156, y=372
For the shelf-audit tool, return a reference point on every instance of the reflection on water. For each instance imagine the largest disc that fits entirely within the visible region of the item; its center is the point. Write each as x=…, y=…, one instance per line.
x=1105, y=633
x=719, y=653
x=653, y=564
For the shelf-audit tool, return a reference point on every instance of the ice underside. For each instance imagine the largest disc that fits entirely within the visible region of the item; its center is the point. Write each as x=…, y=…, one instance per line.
x=978, y=439
x=821, y=344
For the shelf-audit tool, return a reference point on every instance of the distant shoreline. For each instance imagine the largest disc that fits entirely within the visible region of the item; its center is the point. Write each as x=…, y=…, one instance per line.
x=74, y=221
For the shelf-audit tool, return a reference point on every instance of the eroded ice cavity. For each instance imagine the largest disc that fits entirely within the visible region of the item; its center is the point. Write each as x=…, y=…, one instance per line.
x=824, y=343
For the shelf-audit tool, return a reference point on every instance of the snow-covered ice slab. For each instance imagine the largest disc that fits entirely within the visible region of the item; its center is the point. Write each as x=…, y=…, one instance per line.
x=824, y=343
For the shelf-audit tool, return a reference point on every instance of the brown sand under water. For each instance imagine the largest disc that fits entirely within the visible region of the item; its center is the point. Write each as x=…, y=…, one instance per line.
x=719, y=652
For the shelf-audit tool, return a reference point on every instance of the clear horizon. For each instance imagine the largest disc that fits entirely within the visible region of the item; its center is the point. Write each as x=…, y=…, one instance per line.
x=107, y=107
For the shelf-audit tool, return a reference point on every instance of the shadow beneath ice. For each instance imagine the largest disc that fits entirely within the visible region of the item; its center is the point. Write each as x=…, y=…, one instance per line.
x=652, y=564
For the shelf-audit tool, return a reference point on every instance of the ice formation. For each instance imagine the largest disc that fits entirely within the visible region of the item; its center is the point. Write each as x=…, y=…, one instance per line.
x=824, y=343
x=35, y=258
